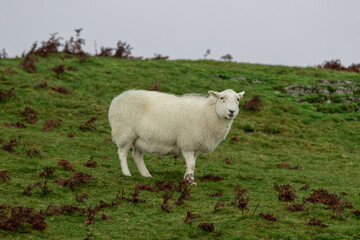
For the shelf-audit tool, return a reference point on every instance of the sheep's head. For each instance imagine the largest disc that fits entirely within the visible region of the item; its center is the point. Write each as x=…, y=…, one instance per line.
x=227, y=103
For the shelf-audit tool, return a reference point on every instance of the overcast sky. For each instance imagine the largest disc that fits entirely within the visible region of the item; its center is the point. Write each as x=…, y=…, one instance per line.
x=286, y=32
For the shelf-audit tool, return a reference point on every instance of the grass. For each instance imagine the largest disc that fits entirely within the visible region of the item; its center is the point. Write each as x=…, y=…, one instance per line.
x=322, y=138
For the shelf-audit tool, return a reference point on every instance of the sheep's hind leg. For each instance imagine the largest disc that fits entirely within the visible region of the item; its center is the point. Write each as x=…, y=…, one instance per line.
x=190, y=159
x=123, y=153
x=138, y=157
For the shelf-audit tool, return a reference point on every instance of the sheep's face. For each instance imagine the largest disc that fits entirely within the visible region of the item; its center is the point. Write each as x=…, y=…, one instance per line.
x=227, y=104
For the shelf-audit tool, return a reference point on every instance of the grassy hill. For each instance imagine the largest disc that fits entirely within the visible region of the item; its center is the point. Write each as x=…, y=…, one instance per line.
x=316, y=134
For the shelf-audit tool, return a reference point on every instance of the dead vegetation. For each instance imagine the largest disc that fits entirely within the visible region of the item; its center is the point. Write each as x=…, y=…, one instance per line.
x=81, y=198
x=155, y=87
x=91, y=163
x=165, y=205
x=48, y=172
x=158, y=56
x=165, y=186
x=30, y=115
x=28, y=64
x=4, y=95
x=34, y=152
x=288, y=166
x=316, y=222
x=13, y=218
x=40, y=184
x=88, y=125
x=337, y=66
x=62, y=69
x=211, y=177
x=305, y=187
x=3, y=54
x=268, y=216
x=254, y=104
x=9, y=147
x=218, y=207
x=208, y=227
x=241, y=200
x=5, y=175
x=333, y=201
x=286, y=193
x=50, y=124
x=66, y=165
x=322, y=196
x=217, y=194
x=77, y=180
x=295, y=207
x=16, y=125
x=60, y=89
x=227, y=57
x=185, y=192
x=189, y=217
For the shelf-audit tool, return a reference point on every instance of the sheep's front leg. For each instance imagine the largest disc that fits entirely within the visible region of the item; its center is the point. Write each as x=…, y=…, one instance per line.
x=190, y=159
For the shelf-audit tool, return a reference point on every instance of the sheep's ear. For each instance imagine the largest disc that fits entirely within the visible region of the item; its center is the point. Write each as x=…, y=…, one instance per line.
x=214, y=94
x=241, y=94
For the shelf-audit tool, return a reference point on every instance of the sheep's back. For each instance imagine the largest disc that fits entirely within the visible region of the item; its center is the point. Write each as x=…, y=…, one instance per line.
x=156, y=115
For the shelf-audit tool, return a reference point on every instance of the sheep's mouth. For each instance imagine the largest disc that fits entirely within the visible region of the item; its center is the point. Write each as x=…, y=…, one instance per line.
x=230, y=115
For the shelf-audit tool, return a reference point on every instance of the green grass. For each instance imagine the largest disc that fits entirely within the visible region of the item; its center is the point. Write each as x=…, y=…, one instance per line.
x=322, y=138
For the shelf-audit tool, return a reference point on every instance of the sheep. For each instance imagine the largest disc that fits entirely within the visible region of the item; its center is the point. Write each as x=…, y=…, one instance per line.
x=162, y=124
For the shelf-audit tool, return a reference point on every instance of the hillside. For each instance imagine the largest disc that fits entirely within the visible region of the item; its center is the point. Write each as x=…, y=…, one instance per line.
x=281, y=138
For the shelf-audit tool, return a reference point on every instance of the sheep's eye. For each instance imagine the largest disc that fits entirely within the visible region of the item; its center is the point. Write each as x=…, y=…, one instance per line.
x=238, y=99
x=221, y=98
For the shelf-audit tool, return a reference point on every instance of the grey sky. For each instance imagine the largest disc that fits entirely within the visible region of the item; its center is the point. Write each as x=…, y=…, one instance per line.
x=286, y=32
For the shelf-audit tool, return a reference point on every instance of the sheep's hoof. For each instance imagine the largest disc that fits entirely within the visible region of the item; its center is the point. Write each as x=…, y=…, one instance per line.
x=189, y=178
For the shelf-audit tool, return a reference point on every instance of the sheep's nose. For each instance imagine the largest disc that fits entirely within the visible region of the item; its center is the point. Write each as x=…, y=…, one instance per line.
x=231, y=111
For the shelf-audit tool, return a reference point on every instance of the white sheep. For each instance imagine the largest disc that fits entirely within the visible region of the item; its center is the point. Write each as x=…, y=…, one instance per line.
x=161, y=124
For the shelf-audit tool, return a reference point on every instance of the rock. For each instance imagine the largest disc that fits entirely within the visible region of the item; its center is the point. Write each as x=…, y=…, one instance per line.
x=255, y=81
x=344, y=90
x=338, y=83
x=239, y=78
x=304, y=90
